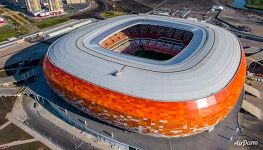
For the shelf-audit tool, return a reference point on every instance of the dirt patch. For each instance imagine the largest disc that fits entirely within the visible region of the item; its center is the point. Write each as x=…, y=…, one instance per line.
x=6, y=105
x=195, y=5
x=132, y=6
x=243, y=19
x=13, y=133
x=28, y=146
x=246, y=42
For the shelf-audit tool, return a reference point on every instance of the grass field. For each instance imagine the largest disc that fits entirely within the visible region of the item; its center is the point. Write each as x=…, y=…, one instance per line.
x=256, y=4
x=110, y=14
x=152, y=55
x=7, y=32
x=23, y=30
x=45, y=23
x=26, y=18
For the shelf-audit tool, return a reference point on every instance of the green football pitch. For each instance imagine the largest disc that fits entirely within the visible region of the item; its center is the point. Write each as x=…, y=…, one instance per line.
x=152, y=55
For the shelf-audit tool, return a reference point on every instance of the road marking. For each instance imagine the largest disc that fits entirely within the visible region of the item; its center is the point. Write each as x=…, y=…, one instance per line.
x=159, y=4
x=143, y=4
x=154, y=8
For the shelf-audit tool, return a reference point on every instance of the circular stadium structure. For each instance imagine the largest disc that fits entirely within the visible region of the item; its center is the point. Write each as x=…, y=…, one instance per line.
x=155, y=75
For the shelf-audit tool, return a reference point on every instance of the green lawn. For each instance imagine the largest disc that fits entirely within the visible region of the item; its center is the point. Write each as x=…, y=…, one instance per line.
x=256, y=4
x=45, y=23
x=14, y=22
x=25, y=17
x=23, y=30
x=110, y=14
x=7, y=32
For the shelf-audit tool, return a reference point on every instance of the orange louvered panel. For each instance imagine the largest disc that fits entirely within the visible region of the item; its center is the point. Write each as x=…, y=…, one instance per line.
x=143, y=115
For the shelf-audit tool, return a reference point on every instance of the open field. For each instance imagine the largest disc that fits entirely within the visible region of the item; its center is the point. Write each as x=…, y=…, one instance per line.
x=200, y=5
x=7, y=32
x=44, y=23
x=17, y=24
x=13, y=133
x=29, y=146
x=246, y=42
x=144, y=6
x=256, y=4
x=6, y=105
x=196, y=5
x=14, y=16
x=132, y=6
x=238, y=18
x=110, y=14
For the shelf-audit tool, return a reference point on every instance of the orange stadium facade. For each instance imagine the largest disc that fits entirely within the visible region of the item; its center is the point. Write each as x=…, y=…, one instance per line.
x=166, y=115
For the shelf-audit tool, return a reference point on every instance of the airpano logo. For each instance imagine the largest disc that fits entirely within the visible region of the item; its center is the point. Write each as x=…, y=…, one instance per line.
x=245, y=143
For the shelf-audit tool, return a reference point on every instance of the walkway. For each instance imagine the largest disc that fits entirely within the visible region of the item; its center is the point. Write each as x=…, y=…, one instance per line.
x=14, y=143
x=18, y=116
x=72, y=130
x=255, y=58
x=5, y=125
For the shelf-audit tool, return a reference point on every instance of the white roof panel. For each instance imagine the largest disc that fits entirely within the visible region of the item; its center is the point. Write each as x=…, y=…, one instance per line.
x=204, y=67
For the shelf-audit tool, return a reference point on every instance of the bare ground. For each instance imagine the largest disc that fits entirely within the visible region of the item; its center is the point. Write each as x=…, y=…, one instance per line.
x=239, y=18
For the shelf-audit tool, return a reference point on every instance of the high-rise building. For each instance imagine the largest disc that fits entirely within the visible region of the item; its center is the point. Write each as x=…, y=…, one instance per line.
x=33, y=5
x=55, y=5
x=76, y=1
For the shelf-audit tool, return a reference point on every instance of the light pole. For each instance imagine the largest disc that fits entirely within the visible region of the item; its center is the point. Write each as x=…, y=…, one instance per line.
x=113, y=8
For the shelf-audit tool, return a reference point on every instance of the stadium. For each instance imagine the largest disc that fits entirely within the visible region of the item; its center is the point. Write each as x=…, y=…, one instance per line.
x=155, y=75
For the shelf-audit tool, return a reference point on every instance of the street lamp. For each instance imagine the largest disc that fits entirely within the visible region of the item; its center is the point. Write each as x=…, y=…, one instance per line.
x=113, y=6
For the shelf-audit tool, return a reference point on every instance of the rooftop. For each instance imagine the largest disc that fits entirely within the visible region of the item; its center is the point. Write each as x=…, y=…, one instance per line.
x=205, y=66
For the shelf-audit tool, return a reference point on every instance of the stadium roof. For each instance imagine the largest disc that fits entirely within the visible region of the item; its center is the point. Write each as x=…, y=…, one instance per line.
x=203, y=68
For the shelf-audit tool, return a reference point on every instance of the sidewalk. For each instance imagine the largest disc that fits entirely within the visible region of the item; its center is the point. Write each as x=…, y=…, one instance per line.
x=14, y=143
x=72, y=130
x=5, y=125
x=17, y=116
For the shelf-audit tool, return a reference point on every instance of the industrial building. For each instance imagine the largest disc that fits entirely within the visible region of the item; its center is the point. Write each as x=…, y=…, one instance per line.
x=155, y=75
